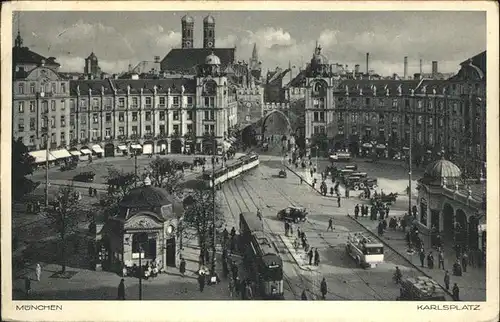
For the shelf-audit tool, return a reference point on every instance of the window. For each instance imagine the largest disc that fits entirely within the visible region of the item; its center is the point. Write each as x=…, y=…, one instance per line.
x=94, y=134
x=367, y=118
x=206, y=115
x=207, y=128
x=32, y=106
x=134, y=129
x=108, y=132
x=108, y=117
x=455, y=108
x=162, y=101
x=316, y=116
x=148, y=129
x=189, y=115
x=419, y=104
x=162, y=128
x=95, y=103
x=354, y=101
x=431, y=139
x=367, y=101
x=63, y=88
x=95, y=118
x=108, y=103
x=32, y=88
x=121, y=117
x=395, y=103
x=209, y=101
x=121, y=102
x=121, y=130
x=176, y=100
x=148, y=116
x=189, y=128
x=32, y=139
x=82, y=134
x=148, y=102
x=72, y=105
x=63, y=137
x=53, y=138
x=63, y=120
x=21, y=125
x=395, y=119
x=430, y=121
x=53, y=88
x=441, y=122
x=176, y=129
x=21, y=107
x=63, y=105
x=354, y=118
x=212, y=115
x=189, y=101
x=72, y=120
x=53, y=105
x=419, y=137
x=430, y=105
x=32, y=123
x=162, y=115
x=407, y=103
x=212, y=129
x=176, y=115
x=319, y=102
x=53, y=122
x=135, y=102
x=21, y=88
x=419, y=119
x=134, y=116
x=47, y=87
x=407, y=120
x=381, y=118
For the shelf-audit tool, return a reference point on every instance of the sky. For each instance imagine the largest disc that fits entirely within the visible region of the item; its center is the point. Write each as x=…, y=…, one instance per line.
x=122, y=38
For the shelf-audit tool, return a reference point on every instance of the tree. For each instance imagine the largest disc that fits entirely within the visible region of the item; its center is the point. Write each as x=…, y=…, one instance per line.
x=66, y=213
x=199, y=215
x=119, y=185
x=22, y=165
x=166, y=173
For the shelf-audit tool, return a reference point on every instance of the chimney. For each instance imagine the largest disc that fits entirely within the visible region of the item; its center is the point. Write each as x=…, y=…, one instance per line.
x=434, y=68
x=367, y=61
x=420, y=66
x=405, y=73
x=356, y=68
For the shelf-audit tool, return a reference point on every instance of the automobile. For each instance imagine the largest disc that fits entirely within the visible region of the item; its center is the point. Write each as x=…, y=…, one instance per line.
x=265, y=147
x=340, y=157
x=292, y=213
x=84, y=177
x=282, y=173
x=344, y=173
x=68, y=166
x=358, y=182
x=351, y=167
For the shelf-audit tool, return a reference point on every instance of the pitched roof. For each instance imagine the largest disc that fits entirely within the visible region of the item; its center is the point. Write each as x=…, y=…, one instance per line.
x=162, y=85
x=299, y=80
x=479, y=60
x=186, y=59
x=22, y=55
x=355, y=85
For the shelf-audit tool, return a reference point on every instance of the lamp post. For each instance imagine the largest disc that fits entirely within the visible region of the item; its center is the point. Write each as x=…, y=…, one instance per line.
x=140, y=272
x=135, y=166
x=213, y=204
x=410, y=166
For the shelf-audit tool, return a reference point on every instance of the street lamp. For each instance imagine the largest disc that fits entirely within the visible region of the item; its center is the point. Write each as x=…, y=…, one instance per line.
x=213, y=204
x=410, y=166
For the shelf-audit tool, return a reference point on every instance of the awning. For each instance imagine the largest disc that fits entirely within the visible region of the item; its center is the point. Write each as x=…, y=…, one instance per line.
x=61, y=154
x=367, y=145
x=380, y=146
x=41, y=156
x=136, y=146
x=406, y=148
x=76, y=153
x=147, y=149
x=86, y=151
x=122, y=147
x=97, y=149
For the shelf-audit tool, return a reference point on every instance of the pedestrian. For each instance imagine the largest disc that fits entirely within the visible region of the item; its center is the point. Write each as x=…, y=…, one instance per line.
x=231, y=287
x=347, y=190
x=182, y=266
x=248, y=291
x=316, y=257
x=291, y=229
x=121, y=290
x=201, y=281
x=27, y=286
x=422, y=255
x=95, y=192
x=447, y=280
x=387, y=210
x=310, y=255
x=338, y=201
x=331, y=191
x=38, y=271
x=456, y=292
x=286, y=228
x=301, y=180
x=441, y=259
x=324, y=288
x=356, y=211
x=303, y=297
x=465, y=261
x=330, y=224
x=430, y=260
x=90, y=191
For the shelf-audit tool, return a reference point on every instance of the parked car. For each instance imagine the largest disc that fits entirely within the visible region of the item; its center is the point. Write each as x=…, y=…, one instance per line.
x=85, y=177
x=69, y=166
x=292, y=213
x=282, y=173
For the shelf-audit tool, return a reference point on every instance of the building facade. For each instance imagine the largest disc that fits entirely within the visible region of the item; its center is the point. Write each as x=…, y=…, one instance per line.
x=169, y=115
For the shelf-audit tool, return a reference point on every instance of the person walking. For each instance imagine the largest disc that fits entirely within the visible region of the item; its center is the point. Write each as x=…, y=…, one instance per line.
x=27, y=286
x=465, y=261
x=231, y=287
x=441, y=259
x=422, y=257
x=310, y=254
x=121, y=290
x=324, y=288
x=330, y=224
x=338, y=201
x=201, y=281
x=38, y=271
x=182, y=266
x=316, y=257
x=456, y=292
x=430, y=260
x=90, y=191
x=303, y=297
x=447, y=280
x=356, y=211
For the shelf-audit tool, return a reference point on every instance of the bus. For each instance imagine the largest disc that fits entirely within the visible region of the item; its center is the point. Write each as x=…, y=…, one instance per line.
x=364, y=249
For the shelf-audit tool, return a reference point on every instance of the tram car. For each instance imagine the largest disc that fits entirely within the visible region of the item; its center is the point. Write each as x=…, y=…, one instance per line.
x=231, y=169
x=261, y=256
x=421, y=288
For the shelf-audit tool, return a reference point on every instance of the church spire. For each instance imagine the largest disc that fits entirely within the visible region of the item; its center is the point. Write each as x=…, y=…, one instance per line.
x=255, y=55
x=19, y=40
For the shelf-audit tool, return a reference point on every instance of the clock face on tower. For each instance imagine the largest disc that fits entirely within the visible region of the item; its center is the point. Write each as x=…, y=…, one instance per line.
x=188, y=43
x=249, y=104
x=210, y=44
x=209, y=88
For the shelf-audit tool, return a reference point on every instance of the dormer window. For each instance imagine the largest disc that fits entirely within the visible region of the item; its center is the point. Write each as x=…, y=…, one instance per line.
x=21, y=88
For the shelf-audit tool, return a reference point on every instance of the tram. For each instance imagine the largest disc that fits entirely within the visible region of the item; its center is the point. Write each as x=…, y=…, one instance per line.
x=232, y=169
x=261, y=256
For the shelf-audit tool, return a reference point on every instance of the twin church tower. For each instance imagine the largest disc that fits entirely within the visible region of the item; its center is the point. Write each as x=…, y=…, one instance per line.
x=188, y=32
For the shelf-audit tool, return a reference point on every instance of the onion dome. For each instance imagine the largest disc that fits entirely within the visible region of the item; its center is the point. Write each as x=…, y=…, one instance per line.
x=212, y=59
x=209, y=19
x=442, y=169
x=187, y=19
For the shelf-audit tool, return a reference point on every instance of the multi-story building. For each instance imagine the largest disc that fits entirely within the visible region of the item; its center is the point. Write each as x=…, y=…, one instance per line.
x=365, y=115
x=114, y=115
